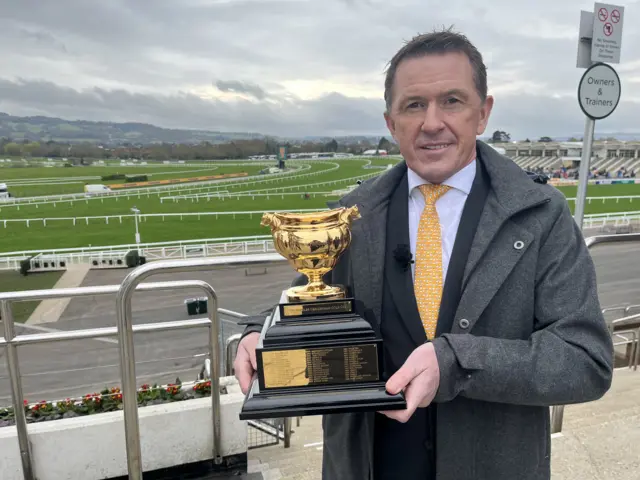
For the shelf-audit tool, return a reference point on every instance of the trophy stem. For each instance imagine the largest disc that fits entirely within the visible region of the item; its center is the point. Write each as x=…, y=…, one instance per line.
x=315, y=281
x=315, y=290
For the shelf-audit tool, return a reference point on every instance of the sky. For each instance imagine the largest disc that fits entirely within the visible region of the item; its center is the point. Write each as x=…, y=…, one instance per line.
x=292, y=67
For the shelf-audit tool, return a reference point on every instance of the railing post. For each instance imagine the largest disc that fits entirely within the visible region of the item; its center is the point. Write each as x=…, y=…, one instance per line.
x=557, y=414
x=127, y=357
x=214, y=355
x=16, y=392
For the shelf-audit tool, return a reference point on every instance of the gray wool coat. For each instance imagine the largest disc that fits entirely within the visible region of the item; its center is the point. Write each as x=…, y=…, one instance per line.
x=528, y=331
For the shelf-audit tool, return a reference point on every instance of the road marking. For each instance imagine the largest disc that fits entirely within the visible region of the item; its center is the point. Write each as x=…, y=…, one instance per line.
x=315, y=444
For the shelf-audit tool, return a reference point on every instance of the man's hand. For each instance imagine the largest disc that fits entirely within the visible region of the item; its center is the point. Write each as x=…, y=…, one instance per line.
x=419, y=377
x=245, y=363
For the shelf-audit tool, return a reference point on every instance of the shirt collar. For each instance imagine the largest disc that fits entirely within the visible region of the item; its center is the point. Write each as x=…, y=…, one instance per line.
x=461, y=180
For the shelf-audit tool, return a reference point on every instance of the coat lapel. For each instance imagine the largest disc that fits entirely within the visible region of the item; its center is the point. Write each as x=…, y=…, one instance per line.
x=398, y=278
x=368, y=243
x=499, y=242
x=459, y=256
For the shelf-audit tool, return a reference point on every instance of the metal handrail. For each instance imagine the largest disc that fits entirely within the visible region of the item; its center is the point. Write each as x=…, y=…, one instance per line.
x=11, y=341
x=631, y=307
x=230, y=346
x=125, y=344
x=633, y=360
x=557, y=411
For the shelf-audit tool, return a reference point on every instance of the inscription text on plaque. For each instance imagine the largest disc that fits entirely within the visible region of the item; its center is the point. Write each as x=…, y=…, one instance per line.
x=320, y=366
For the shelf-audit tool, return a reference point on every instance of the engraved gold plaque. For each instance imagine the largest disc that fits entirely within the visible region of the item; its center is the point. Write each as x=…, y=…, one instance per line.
x=320, y=366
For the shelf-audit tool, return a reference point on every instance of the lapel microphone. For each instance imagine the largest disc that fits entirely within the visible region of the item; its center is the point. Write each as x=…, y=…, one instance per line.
x=402, y=255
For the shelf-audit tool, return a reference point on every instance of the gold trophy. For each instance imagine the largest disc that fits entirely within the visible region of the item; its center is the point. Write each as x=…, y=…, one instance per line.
x=315, y=354
x=312, y=243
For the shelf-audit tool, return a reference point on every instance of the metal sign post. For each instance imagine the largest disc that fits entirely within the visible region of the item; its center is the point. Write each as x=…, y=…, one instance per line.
x=599, y=40
x=598, y=95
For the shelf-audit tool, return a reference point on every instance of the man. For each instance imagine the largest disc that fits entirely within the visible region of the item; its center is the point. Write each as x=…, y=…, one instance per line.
x=478, y=281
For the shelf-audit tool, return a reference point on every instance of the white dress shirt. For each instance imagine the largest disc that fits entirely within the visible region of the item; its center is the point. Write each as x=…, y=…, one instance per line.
x=449, y=207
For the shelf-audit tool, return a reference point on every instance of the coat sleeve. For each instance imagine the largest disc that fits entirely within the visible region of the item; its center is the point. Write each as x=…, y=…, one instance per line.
x=568, y=358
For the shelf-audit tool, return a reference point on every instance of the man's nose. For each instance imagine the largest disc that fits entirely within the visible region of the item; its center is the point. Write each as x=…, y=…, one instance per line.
x=432, y=121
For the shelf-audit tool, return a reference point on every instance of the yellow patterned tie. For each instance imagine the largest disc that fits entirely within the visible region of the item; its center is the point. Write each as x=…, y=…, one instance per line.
x=428, y=272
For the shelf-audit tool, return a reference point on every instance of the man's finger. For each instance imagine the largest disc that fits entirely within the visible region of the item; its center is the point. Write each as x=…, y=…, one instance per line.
x=411, y=396
x=399, y=380
x=244, y=371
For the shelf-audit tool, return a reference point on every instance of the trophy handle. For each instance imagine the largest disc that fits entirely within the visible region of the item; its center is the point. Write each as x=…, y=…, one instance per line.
x=270, y=220
x=349, y=214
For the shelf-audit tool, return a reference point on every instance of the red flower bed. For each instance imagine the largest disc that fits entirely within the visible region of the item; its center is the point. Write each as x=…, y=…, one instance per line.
x=108, y=400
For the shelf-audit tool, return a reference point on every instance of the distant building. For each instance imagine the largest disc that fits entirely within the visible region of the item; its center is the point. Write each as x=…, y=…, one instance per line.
x=372, y=153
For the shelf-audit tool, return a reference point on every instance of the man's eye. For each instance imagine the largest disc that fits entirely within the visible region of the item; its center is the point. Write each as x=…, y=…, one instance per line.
x=452, y=100
x=415, y=105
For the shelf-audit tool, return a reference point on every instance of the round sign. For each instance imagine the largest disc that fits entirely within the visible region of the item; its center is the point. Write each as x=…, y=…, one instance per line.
x=599, y=91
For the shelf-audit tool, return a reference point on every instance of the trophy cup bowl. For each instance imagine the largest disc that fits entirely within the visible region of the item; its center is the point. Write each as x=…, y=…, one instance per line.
x=312, y=243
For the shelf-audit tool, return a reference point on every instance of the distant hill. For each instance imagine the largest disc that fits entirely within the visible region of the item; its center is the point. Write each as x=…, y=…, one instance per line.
x=43, y=129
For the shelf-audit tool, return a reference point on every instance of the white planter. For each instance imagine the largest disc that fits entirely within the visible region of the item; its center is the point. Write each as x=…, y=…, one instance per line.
x=93, y=447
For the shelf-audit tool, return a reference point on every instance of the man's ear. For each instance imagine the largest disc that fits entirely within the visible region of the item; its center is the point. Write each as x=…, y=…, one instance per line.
x=391, y=125
x=485, y=113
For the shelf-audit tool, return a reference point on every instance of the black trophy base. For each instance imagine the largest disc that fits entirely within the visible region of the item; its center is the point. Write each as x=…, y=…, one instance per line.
x=368, y=398
x=316, y=358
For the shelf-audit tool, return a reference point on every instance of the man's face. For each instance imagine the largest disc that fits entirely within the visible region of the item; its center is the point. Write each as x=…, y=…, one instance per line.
x=436, y=114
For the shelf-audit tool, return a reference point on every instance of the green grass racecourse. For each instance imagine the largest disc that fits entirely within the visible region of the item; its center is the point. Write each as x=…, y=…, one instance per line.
x=96, y=231
x=61, y=180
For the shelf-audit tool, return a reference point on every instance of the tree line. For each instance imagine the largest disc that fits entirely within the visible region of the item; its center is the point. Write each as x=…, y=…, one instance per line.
x=166, y=151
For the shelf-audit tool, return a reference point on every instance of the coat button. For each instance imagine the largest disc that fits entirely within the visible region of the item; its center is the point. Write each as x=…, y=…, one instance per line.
x=519, y=245
x=464, y=323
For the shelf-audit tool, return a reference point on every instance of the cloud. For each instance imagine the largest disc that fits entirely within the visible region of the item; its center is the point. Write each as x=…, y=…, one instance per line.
x=235, y=86
x=288, y=67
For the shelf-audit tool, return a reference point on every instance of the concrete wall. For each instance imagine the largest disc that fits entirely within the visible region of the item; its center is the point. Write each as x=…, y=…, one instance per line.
x=93, y=447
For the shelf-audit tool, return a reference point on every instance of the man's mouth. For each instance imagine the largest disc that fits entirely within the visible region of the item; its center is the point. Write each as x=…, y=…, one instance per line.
x=435, y=147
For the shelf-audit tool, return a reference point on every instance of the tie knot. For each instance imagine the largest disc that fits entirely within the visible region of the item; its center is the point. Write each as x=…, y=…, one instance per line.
x=433, y=192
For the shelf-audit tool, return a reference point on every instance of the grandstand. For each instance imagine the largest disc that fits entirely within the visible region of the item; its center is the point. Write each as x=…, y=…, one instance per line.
x=608, y=157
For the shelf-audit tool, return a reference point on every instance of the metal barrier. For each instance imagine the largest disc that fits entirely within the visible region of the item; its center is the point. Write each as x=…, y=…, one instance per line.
x=557, y=411
x=127, y=358
x=124, y=331
x=11, y=342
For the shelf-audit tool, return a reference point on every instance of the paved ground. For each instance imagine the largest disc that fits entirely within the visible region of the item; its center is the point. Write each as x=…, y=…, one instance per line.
x=598, y=442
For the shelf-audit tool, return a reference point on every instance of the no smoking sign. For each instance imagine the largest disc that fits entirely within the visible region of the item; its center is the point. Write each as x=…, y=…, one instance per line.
x=608, y=29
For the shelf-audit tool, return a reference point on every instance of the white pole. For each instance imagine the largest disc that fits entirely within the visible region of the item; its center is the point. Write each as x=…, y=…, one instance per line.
x=137, y=233
x=583, y=175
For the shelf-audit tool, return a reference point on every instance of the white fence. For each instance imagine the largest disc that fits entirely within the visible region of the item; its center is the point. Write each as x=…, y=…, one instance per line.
x=143, y=216
x=48, y=199
x=106, y=256
x=631, y=198
x=152, y=251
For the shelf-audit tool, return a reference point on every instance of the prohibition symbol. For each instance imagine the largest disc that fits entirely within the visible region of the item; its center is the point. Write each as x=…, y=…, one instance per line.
x=603, y=14
x=608, y=29
x=615, y=16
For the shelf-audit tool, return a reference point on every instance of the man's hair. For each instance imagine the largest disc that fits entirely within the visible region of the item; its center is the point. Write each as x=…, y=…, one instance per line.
x=438, y=43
